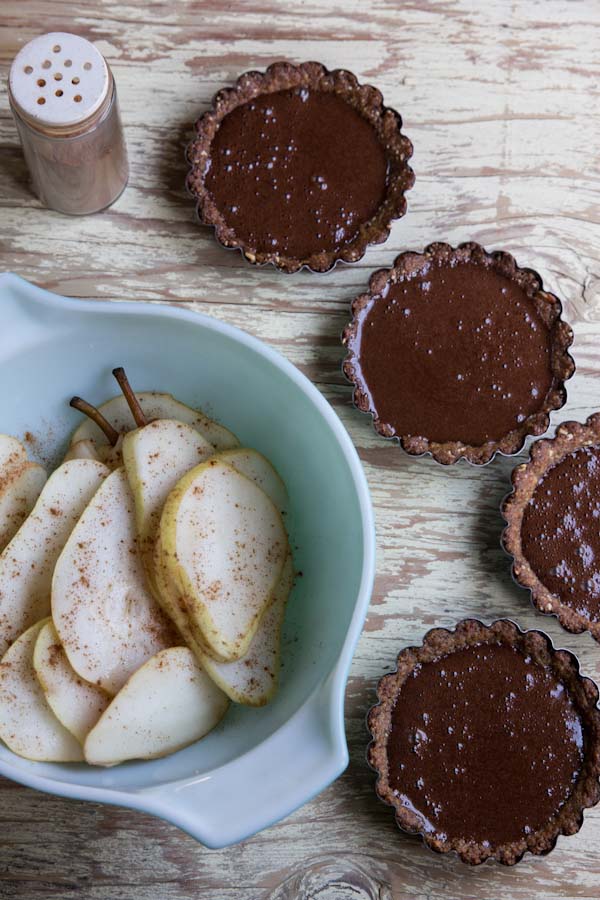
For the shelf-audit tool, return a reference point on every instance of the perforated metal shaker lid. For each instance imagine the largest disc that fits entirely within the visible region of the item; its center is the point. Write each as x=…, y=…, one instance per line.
x=58, y=80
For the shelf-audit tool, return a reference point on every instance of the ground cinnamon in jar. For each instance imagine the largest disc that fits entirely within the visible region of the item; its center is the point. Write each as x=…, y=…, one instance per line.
x=64, y=101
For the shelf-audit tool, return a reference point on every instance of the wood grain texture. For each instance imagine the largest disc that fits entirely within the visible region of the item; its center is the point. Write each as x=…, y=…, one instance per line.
x=501, y=101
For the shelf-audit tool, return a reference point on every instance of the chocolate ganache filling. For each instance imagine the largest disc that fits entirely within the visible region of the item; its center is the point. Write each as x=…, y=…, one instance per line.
x=561, y=531
x=296, y=172
x=485, y=745
x=454, y=352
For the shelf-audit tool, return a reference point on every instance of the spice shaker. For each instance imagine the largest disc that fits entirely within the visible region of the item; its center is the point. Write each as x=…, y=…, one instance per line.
x=64, y=101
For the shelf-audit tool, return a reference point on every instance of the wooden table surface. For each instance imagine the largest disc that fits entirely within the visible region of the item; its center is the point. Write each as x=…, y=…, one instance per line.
x=501, y=100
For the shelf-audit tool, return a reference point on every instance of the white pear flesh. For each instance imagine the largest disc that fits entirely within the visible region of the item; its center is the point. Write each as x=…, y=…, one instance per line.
x=111, y=454
x=28, y=726
x=19, y=491
x=108, y=454
x=27, y=562
x=155, y=459
x=12, y=454
x=106, y=617
x=76, y=704
x=253, y=679
x=84, y=449
x=173, y=604
x=21, y=483
x=155, y=406
x=166, y=705
x=224, y=545
x=257, y=467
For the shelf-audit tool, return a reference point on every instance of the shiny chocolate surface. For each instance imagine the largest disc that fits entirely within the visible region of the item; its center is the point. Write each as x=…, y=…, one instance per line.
x=455, y=352
x=485, y=745
x=297, y=172
x=561, y=531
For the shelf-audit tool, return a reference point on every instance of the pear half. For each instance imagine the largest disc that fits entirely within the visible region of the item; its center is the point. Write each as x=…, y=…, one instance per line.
x=173, y=604
x=257, y=467
x=84, y=449
x=19, y=490
x=252, y=680
x=224, y=545
x=155, y=458
x=27, y=724
x=76, y=704
x=108, y=454
x=21, y=483
x=155, y=406
x=166, y=705
x=106, y=618
x=12, y=454
x=27, y=562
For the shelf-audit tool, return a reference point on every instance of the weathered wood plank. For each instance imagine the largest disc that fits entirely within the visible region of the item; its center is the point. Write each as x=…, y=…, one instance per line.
x=501, y=101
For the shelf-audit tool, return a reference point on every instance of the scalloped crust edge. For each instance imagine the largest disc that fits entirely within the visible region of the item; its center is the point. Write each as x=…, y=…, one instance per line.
x=570, y=436
x=440, y=642
x=548, y=307
x=366, y=99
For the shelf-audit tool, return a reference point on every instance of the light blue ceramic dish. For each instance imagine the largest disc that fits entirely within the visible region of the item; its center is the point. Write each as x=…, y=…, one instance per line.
x=258, y=765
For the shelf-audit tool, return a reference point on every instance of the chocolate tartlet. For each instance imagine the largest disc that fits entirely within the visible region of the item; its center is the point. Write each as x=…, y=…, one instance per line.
x=486, y=741
x=299, y=166
x=458, y=353
x=553, y=525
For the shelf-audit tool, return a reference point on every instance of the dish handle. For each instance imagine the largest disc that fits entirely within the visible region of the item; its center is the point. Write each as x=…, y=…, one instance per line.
x=266, y=784
x=29, y=312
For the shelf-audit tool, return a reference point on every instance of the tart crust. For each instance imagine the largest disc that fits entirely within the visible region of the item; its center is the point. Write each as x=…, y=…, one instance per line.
x=440, y=642
x=570, y=436
x=548, y=307
x=365, y=99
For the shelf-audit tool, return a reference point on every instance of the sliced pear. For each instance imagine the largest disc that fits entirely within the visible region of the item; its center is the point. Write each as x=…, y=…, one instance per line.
x=155, y=406
x=110, y=455
x=173, y=604
x=166, y=705
x=252, y=680
x=12, y=454
x=257, y=467
x=19, y=490
x=155, y=458
x=27, y=562
x=76, y=704
x=106, y=618
x=224, y=546
x=21, y=483
x=85, y=449
x=27, y=724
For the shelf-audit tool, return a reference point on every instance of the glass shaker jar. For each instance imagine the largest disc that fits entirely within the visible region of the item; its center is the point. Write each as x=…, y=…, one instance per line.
x=64, y=101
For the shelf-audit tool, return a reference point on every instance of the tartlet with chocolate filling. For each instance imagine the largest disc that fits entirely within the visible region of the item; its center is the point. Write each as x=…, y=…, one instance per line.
x=458, y=353
x=300, y=166
x=486, y=741
x=553, y=525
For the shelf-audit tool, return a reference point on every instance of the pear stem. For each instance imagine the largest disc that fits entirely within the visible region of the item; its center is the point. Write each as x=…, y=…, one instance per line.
x=96, y=416
x=132, y=401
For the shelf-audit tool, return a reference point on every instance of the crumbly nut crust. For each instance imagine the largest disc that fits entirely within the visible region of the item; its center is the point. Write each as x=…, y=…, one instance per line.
x=570, y=436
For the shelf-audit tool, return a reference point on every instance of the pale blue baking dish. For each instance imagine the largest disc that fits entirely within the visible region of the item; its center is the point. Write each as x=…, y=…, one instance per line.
x=258, y=765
